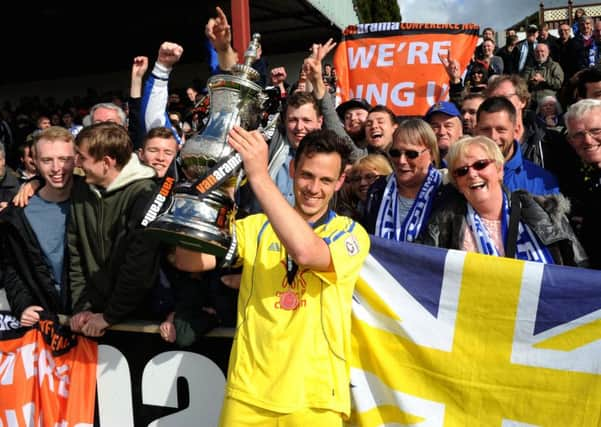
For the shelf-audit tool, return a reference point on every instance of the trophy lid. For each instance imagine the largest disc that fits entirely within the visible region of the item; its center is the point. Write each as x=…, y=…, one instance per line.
x=246, y=71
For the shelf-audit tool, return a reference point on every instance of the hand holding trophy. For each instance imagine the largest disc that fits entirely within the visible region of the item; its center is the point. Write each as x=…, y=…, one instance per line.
x=201, y=209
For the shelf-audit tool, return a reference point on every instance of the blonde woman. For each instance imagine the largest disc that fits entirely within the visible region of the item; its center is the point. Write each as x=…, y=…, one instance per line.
x=364, y=172
x=482, y=216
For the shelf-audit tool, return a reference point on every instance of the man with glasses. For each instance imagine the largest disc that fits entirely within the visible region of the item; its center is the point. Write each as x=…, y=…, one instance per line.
x=583, y=122
x=497, y=119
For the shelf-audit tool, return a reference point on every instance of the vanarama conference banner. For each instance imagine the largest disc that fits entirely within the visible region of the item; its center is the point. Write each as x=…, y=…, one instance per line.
x=47, y=376
x=400, y=64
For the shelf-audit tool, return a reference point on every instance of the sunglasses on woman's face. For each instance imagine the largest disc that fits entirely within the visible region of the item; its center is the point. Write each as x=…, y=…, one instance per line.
x=410, y=154
x=478, y=165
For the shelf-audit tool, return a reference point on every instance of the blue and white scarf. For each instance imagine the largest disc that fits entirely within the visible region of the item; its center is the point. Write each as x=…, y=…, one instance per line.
x=528, y=246
x=389, y=224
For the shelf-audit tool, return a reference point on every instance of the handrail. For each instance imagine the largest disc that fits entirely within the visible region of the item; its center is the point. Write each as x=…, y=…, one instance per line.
x=149, y=327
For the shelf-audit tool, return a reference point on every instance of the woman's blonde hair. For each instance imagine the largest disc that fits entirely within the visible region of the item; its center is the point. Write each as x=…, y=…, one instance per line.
x=459, y=149
x=418, y=132
x=377, y=161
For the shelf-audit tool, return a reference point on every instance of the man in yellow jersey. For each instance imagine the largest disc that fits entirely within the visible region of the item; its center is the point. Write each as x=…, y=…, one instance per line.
x=290, y=362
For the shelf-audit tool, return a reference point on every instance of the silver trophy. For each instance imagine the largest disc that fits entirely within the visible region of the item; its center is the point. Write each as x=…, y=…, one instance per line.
x=201, y=212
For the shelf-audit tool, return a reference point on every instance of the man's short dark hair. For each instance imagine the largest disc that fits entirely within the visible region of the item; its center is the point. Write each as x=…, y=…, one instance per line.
x=159, y=132
x=106, y=139
x=497, y=104
x=519, y=84
x=298, y=99
x=323, y=141
x=384, y=109
x=488, y=29
x=472, y=95
x=589, y=75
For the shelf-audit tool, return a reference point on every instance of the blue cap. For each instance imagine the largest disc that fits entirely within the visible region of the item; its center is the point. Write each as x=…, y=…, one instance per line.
x=444, y=107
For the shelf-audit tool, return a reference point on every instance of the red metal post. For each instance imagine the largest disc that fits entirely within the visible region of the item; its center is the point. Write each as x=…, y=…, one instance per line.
x=240, y=26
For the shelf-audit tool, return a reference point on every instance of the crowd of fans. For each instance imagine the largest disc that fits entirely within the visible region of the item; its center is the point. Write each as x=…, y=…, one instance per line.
x=514, y=95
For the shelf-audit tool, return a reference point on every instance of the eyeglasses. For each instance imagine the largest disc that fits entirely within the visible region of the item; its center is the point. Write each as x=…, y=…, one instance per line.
x=478, y=165
x=369, y=178
x=410, y=154
x=580, y=136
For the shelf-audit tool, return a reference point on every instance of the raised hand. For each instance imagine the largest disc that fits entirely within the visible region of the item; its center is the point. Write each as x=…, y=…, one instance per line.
x=218, y=31
x=312, y=66
x=169, y=54
x=278, y=75
x=139, y=67
x=452, y=67
x=319, y=51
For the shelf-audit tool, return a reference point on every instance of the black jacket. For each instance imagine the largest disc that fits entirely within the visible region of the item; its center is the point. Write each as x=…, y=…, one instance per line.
x=9, y=186
x=28, y=278
x=545, y=215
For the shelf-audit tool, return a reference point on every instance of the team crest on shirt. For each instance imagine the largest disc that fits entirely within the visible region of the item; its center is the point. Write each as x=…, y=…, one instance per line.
x=352, y=246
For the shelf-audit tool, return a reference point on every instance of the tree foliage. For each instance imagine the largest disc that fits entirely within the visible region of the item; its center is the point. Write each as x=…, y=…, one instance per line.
x=378, y=10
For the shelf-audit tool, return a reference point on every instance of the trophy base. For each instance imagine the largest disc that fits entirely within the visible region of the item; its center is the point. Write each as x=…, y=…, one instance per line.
x=213, y=242
x=198, y=225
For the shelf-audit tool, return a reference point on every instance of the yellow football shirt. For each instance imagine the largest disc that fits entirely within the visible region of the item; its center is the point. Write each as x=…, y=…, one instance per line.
x=292, y=344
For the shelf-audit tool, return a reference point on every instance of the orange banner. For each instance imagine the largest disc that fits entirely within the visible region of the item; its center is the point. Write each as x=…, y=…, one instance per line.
x=47, y=378
x=399, y=64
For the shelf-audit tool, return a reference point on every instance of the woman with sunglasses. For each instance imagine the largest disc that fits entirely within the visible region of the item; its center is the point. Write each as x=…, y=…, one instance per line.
x=398, y=206
x=483, y=217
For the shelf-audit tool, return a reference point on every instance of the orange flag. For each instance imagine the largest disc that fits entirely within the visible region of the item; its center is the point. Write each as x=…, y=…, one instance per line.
x=47, y=377
x=400, y=65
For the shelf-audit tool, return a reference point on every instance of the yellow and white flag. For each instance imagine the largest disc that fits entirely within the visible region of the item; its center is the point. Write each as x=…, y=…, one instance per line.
x=448, y=338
